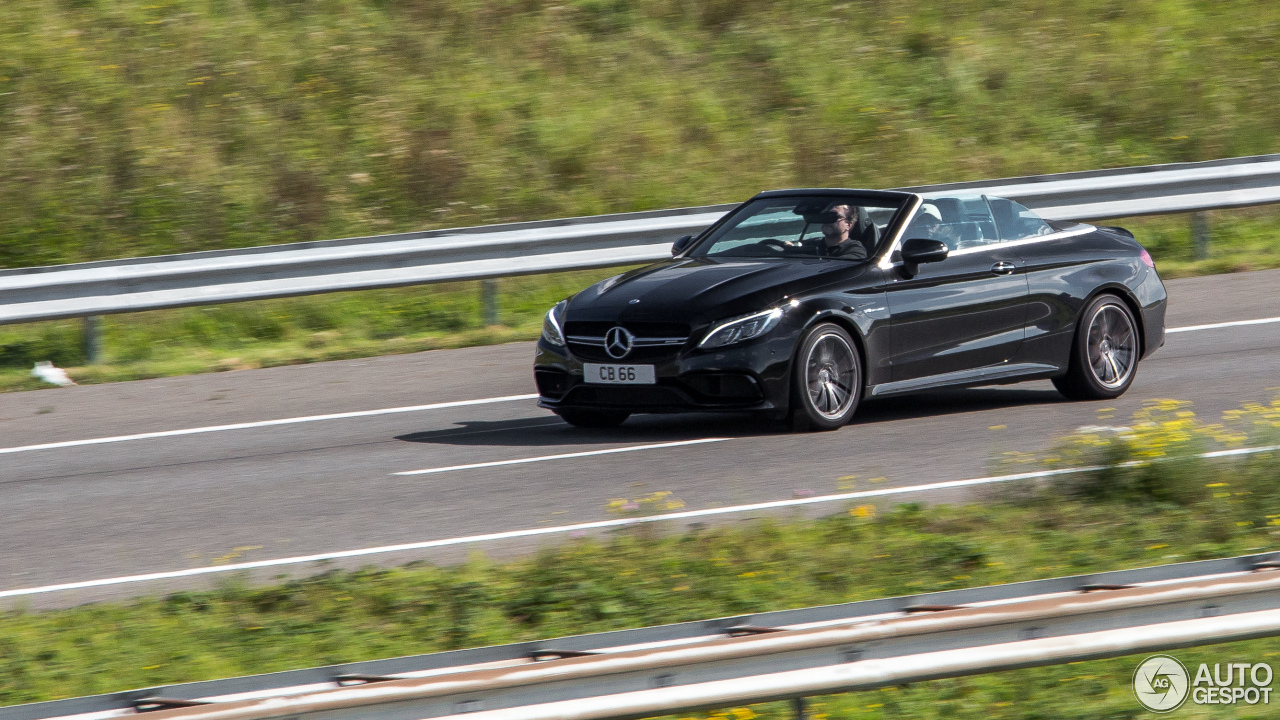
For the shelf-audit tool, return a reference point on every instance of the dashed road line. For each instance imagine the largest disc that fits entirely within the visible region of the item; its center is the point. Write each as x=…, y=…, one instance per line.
x=561, y=456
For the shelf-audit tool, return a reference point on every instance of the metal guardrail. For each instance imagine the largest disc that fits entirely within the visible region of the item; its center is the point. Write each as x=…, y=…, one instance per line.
x=222, y=276
x=748, y=659
x=1144, y=190
x=119, y=286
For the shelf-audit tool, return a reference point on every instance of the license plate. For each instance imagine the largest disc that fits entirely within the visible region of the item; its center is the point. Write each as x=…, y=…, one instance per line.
x=618, y=374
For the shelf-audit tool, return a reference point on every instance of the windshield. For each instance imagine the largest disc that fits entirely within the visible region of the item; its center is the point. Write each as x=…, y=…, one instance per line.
x=845, y=227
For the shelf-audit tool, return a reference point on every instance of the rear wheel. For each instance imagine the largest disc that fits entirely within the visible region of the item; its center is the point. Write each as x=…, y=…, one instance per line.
x=826, y=380
x=1104, y=355
x=593, y=418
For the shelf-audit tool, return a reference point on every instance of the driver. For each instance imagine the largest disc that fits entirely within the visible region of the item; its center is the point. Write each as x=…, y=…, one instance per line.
x=835, y=235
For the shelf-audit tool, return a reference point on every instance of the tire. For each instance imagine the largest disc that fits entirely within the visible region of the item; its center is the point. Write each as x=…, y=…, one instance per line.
x=593, y=418
x=826, y=380
x=1104, y=353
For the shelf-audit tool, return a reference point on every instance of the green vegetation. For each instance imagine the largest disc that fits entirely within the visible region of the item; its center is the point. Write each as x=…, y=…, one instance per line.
x=139, y=127
x=1241, y=240
x=1174, y=510
x=134, y=128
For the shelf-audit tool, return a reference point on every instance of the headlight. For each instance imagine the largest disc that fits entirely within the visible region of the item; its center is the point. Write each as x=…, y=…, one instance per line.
x=551, y=324
x=742, y=328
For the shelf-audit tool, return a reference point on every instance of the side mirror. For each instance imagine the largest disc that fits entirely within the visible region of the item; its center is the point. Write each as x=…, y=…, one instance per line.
x=680, y=245
x=919, y=250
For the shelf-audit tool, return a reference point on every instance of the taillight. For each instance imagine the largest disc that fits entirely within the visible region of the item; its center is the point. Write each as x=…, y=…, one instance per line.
x=1146, y=259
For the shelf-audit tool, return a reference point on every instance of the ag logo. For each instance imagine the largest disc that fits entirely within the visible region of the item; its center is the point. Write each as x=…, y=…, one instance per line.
x=1160, y=683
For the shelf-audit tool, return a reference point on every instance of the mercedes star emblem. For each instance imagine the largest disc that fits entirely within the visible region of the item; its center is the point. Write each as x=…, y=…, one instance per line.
x=617, y=342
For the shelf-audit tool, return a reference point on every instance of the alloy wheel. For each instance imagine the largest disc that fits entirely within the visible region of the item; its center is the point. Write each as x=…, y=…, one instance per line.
x=1112, y=346
x=831, y=372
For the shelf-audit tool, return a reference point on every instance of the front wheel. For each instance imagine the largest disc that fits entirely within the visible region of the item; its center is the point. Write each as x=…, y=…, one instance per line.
x=593, y=418
x=1104, y=355
x=826, y=380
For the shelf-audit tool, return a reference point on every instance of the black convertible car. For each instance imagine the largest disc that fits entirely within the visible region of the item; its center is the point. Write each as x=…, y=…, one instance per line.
x=799, y=303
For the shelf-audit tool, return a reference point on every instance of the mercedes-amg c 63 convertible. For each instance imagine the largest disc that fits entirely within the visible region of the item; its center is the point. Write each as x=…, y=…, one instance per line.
x=800, y=303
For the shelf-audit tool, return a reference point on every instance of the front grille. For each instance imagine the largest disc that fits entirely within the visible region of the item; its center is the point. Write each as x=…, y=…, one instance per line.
x=639, y=329
x=594, y=352
x=654, y=342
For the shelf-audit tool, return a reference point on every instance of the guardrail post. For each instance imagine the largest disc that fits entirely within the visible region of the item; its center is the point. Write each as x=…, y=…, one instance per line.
x=92, y=339
x=801, y=708
x=489, y=296
x=1200, y=234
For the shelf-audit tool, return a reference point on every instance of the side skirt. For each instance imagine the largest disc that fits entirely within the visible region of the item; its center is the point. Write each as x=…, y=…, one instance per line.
x=991, y=375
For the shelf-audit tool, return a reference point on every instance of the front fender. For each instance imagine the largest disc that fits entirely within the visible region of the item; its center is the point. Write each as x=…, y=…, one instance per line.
x=864, y=314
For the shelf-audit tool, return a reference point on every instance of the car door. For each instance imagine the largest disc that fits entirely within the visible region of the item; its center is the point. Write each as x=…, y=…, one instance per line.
x=967, y=311
x=1063, y=266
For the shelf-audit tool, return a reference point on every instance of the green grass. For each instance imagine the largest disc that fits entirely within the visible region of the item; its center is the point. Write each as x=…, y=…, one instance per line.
x=133, y=128
x=1178, y=510
x=1241, y=240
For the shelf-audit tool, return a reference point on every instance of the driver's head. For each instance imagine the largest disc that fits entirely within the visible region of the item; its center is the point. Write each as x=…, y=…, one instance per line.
x=837, y=230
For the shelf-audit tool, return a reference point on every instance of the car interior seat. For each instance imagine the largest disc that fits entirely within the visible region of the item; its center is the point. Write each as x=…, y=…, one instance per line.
x=866, y=232
x=969, y=234
x=1007, y=220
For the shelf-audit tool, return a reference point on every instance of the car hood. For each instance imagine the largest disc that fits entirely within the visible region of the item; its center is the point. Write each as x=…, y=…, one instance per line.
x=702, y=290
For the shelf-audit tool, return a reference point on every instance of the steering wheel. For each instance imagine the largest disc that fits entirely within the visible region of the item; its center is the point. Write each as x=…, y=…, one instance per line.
x=774, y=244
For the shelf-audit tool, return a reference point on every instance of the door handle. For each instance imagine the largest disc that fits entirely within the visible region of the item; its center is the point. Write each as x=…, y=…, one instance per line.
x=1003, y=268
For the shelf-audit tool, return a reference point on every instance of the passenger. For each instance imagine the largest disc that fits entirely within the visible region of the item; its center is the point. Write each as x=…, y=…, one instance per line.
x=835, y=235
x=928, y=224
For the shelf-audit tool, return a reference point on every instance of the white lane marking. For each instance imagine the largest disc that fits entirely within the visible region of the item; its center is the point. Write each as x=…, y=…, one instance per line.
x=1215, y=326
x=264, y=423
x=599, y=524
x=562, y=456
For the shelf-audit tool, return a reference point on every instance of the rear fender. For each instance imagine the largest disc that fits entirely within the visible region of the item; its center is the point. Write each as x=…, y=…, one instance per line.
x=1135, y=308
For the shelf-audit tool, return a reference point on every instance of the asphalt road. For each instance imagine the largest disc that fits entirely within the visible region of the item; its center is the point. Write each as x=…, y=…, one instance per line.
x=99, y=511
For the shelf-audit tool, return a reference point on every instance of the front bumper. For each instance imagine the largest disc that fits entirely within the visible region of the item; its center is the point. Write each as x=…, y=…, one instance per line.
x=752, y=376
